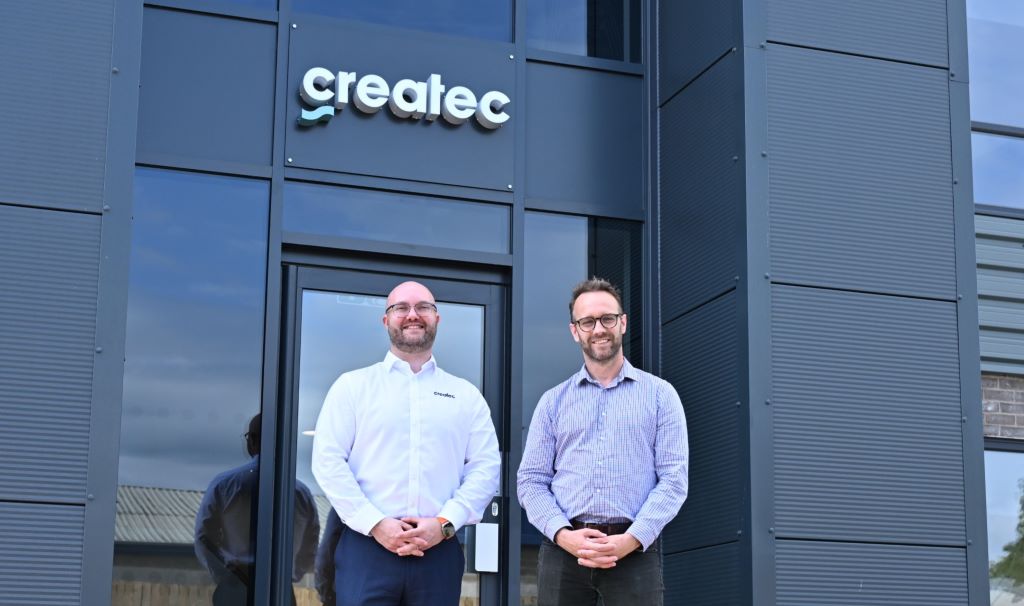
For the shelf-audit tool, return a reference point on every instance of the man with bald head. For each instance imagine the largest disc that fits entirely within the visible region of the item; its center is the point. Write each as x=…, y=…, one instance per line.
x=407, y=454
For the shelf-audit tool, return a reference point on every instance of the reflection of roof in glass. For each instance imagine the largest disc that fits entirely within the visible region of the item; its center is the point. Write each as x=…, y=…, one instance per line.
x=166, y=515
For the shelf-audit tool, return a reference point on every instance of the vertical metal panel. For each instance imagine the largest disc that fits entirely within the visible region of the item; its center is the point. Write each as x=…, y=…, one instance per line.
x=704, y=577
x=867, y=419
x=1000, y=252
x=584, y=141
x=49, y=267
x=824, y=574
x=53, y=113
x=700, y=360
x=701, y=188
x=692, y=36
x=908, y=30
x=41, y=552
x=861, y=184
x=207, y=87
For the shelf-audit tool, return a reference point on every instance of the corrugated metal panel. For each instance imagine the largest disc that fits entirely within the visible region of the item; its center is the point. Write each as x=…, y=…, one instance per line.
x=40, y=554
x=867, y=417
x=692, y=36
x=701, y=188
x=708, y=576
x=1000, y=252
x=823, y=574
x=861, y=187
x=908, y=30
x=56, y=70
x=700, y=360
x=49, y=267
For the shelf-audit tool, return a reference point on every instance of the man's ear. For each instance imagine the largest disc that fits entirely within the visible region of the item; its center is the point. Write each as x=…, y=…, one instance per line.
x=572, y=331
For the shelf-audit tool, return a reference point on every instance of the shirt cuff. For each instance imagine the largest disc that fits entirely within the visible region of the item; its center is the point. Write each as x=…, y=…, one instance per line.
x=642, y=534
x=554, y=525
x=365, y=519
x=454, y=513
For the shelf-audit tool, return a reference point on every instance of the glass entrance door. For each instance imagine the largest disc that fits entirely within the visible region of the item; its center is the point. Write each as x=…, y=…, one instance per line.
x=333, y=325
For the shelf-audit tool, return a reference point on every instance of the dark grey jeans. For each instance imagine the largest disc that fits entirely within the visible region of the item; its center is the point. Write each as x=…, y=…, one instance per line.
x=635, y=581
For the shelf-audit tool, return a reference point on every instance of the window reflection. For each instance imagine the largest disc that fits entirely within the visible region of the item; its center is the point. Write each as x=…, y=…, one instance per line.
x=488, y=19
x=998, y=170
x=1004, y=494
x=342, y=332
x=187, y=471
x=995, y=35
x=591, y=28
x=560, y=251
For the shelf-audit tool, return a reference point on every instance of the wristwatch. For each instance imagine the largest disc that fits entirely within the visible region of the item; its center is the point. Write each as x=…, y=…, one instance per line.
x=447, y=528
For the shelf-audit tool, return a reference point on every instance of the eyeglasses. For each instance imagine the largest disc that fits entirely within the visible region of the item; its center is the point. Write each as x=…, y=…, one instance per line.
x=587, y=324
x=401, y=310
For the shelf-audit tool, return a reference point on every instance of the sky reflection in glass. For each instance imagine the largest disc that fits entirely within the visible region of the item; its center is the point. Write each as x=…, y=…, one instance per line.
x=998, y=170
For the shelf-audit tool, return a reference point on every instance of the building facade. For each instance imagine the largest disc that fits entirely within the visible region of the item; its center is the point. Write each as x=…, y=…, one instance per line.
x=204, y=202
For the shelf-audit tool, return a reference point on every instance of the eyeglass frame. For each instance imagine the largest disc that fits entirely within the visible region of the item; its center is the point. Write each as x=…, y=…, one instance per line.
x=433, y=309
x=596, y=320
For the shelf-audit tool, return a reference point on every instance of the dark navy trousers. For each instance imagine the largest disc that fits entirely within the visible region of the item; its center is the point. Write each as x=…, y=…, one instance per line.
x=369, y=575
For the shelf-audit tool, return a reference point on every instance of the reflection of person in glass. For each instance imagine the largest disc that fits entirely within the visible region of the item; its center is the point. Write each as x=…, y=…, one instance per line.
x=604, y=467
x=407, y=455
x=225, y=541
x=324, y=573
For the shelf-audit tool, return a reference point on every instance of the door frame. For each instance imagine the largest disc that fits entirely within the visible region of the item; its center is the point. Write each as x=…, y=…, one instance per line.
x=371, y=274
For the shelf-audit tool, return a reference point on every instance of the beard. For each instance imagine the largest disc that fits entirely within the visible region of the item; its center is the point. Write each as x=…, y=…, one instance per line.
x=607, y=352
x=413, y=344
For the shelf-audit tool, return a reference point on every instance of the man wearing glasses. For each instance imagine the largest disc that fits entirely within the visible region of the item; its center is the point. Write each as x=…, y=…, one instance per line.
x=407, y=454
x=604, y=468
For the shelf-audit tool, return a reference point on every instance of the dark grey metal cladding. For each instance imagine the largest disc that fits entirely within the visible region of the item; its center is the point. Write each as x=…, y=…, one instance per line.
x=908, y=30
x=692, y=36
x=584, y=140
x=861, y=186
x=49, y=268
x=1000, y=252
x=207, y=88
x=41, y=551
x=53, y=113
x=383, y=145
x=701, y=361
x=867, y=417
x=702, y=188
x=709, y=576
x=820, y=573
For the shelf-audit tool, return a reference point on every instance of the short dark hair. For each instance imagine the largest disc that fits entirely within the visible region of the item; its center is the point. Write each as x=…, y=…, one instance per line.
x=594, y=284
x=252, y=437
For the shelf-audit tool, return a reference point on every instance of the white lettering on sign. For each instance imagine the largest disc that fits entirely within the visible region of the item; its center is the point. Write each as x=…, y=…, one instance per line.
x=406, y=99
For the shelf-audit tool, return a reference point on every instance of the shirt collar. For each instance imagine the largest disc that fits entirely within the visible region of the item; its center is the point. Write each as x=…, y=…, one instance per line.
x=626, y=372
x=391, y=361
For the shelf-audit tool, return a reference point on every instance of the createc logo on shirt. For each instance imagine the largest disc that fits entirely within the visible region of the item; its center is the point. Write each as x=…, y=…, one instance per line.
x=444, y=395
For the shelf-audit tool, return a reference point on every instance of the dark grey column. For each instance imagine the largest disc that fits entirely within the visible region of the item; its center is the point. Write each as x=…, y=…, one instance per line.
x=67, y=115
x=818, y=302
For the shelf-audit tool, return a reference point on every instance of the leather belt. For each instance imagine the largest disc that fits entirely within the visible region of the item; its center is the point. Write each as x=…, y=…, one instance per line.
x=613, y=528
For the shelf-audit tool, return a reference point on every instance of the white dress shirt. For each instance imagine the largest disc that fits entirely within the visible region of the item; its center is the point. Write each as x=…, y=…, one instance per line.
x=393, y=443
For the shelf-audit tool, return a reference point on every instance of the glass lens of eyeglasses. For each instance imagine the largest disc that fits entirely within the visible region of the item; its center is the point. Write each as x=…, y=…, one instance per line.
x=422, y=309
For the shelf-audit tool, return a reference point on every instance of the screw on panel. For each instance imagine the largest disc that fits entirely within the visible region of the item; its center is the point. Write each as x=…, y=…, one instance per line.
x=959, y=297
x=771, y=531
x=963, y=419
x=509, y=186
x=511, y=56
x=763, y=45
x=767, y=276
x=295, y=26
x=739, y=532
x=955, y=181
x=767, y=402
x=764, y=154
x=114, y=70
x=735, y=158
x=289, y=160
x=969, y=542
x=99, y=350
x=952, y=75
x=90, y=496
x=106, y=208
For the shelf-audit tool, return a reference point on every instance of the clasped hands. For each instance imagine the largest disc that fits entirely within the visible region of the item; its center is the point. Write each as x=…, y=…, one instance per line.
x=595, y=549
x=407, y=536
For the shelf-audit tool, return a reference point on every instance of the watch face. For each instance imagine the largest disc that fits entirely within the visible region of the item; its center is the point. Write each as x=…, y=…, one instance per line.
x=448, y=530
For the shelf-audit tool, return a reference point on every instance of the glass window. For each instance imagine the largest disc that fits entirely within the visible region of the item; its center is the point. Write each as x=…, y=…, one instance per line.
x=592, y=28
x=998, y=169
x=488, y=19
x=1004, y=495
x=393, y=217
x=995, y=35
x=560, y=251
x=192, y=383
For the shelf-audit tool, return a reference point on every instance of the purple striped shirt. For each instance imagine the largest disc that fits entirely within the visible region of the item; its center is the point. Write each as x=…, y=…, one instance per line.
x=606, y=454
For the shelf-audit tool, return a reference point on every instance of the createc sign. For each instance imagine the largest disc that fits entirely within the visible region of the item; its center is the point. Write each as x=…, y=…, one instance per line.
x=327, y=92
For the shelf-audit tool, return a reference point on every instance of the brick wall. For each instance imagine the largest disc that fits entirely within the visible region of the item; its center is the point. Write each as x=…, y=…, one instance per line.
x=1002, y=397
